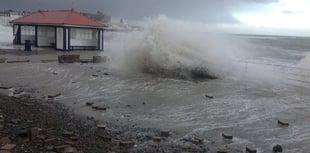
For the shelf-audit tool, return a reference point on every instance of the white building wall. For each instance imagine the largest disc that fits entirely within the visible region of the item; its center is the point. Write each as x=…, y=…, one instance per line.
x=59, y=39
x=28, y=33
x=46, y=36
x=83, y=37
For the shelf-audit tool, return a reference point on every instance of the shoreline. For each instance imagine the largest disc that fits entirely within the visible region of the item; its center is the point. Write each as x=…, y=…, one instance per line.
x=59, y=129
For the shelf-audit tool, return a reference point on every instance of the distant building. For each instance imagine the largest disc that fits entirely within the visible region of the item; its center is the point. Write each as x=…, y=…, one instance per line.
x=64, y=30
x=8, y=15
x=99, y=17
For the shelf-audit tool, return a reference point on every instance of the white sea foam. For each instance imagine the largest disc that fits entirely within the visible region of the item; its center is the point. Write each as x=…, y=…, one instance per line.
x=171, y=46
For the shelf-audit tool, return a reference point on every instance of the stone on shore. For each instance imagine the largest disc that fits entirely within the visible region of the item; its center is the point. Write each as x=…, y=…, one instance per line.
x=277, y=148
x=33, y=133
x=165, y=133
x=127, y=144
x=227, y=136
x=69, y=58
x=5, y=140
x=99, y=59
x=8, y=147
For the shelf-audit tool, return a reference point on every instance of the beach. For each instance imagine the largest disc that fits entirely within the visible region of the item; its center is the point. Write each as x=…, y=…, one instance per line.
x=139, y=106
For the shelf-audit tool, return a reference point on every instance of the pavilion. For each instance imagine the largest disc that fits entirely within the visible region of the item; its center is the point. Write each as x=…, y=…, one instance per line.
x=63, y=30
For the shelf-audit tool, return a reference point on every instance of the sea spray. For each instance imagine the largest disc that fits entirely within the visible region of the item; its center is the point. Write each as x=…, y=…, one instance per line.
x=6, y=36
x=172, y=48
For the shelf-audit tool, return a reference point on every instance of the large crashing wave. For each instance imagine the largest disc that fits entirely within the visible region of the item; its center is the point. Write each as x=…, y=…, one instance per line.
x=170, y=48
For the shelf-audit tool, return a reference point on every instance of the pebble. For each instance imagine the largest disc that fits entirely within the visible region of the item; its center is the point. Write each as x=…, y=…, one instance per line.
x=101, y=126
x=89, y=103
x=33, y=132
x=54, y=96
x=5, y=140
x=165, y=133
x=50, y=148
x=277, y=148
x=74, y=138
x=127, y=144
x=196, y=141
x=8, y=147
x=157, y=139
x=227, y=136
x=69, y=150
x=210, y=97
x=68, y=133
x=4, y=151
x=283, y=123
x=250, y=150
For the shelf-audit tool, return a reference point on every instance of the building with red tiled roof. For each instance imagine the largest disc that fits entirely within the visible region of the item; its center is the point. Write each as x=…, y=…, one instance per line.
x=65, y=30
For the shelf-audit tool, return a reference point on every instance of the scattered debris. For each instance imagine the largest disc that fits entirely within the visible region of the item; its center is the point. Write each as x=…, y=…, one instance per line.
x=68, y=133
x=53, y=96
x=157, y=139
x=89, y=103
x=70, y=150
x=99, y=59
x=277, y=148
x=17, y=92
x=196, y=141
x=127, y=144
x=86, y=60
x=101, y=126
x=99, y=107
x=283, y=123
x=41, y=137
x=210, y=97
x=50, y=140
x=165, y=133
x=5, y=140
x=249, y=150
x=33, y=133
x=227, y=136
x=2, y=60
x=4, y=151
x=8, y=147
x=69, y=58
x=4, y=87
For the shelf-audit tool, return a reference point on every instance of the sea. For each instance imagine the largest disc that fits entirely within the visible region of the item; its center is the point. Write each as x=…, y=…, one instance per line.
x=160, y=78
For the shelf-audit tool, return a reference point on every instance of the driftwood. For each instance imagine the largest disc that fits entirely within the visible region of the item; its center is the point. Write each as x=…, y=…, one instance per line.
x=226, y=136
x=249, y=150
x=53, y=96
x=283, y=123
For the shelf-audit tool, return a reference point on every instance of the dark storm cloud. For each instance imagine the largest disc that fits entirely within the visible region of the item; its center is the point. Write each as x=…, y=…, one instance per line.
x=210, y=11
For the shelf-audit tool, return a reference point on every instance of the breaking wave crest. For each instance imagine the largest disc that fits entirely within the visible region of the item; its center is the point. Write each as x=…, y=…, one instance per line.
x=170, y=48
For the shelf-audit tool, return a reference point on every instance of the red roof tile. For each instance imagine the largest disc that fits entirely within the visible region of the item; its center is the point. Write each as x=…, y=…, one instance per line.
x=64, y=17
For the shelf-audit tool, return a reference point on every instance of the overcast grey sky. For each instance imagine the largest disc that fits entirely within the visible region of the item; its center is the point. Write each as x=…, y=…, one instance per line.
x=287, y=17
x=208, y=11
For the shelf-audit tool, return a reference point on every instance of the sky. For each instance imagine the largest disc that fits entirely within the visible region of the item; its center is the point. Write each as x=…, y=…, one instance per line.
x=280, y=16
